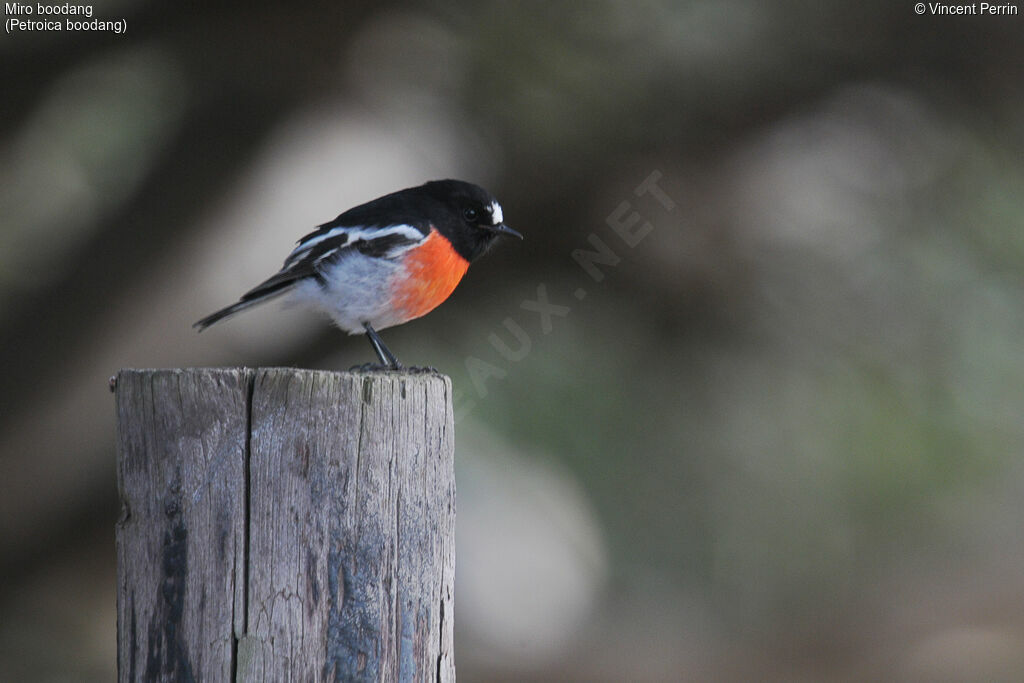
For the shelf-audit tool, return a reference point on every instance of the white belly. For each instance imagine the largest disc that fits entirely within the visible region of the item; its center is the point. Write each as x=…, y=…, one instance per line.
x=358, y=289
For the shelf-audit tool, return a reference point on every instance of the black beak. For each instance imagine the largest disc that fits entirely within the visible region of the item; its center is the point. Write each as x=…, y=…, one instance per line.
x=503, y=229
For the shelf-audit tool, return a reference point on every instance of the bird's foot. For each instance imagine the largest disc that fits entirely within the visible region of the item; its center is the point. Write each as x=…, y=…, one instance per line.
x=426, y=370
x=379, y=367
x=376, y=367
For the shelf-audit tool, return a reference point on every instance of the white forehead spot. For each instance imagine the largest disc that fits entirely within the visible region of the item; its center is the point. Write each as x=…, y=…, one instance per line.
x=496, y=216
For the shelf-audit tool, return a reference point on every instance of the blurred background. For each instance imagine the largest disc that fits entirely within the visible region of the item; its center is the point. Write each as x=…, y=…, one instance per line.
x=773, y=429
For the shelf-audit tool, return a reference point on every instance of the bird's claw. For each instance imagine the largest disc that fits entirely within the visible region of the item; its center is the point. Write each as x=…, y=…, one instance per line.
x=379, y=367
x=425, y=370
x=376, y=367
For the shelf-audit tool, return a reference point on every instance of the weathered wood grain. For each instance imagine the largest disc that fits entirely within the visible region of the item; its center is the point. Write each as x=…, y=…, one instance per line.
x=180, y=539
x=285, y=524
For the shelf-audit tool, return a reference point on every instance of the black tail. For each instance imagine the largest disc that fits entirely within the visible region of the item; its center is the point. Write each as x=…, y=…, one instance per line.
x=271, y=289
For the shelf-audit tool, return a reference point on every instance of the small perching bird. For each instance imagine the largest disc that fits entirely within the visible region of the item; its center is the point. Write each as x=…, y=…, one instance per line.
x=387, y=261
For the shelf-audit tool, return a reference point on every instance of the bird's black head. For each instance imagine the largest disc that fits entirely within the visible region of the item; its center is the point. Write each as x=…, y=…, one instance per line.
x=473, y=217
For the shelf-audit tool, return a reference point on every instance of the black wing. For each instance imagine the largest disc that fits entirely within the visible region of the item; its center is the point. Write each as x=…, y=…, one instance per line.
x=330, y=242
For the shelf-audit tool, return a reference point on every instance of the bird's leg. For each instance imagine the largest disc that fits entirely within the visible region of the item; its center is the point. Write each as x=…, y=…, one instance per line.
x=387, y=359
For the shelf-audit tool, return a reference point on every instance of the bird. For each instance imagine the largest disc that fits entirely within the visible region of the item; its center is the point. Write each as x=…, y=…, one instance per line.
x=385, y=262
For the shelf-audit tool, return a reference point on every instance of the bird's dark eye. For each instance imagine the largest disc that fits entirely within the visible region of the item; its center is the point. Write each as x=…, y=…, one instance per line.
x=470, y=214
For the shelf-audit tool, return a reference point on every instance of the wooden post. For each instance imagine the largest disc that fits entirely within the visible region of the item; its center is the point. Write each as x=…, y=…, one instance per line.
x=281, y=524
